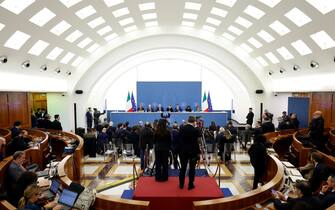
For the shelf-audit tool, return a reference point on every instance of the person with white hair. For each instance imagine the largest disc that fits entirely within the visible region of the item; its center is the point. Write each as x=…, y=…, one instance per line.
x=316, y=128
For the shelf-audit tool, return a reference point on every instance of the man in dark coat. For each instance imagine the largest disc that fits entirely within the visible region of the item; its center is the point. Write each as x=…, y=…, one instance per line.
x=96, y=116
x=320, y=172
x=146, y=140
x=89, y=118
x=250, y=117
x=56, y=125
x=327, y=193
x=316, y=129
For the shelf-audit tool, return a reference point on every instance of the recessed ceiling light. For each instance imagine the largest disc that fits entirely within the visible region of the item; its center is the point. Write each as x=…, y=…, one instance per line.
x=104, y=30
x=298, y=17
x=192, y=6
x=126, y=21
x=70, y=3
x=73, y=36
x=121, y=12
x=301, y=47
x=96, y=22
x=60, y=28
x=17, y=40
x=261, y=60
x=265, y=36
x=208, y=28
x=285, y=53
x=86, y=12
x=280, y=28
x=38, y=47
x=54, y=53
x=213, y=21
x=243, y=22
x=254, y=12
x=246, y=48
x=67, y=58
x=84, y=43
x=111, y=37
x=228, y=36
x=235, y=30
x=57, y=70
x=93, y=48
x=77, y=61
x=42, y=17
x=272, y=57
x=1, y=26
x=149, y=16
x=229, y=3
x=190, y=16
x=255, y=42
x=270, y=3
x=187, y=23
x=324, y=6
x=130, y=28
x=111, y=3
x=219, y=12
x=322, y=39
x=68, y=73
x=16, y=6
x=147, y=6
x=151, y=24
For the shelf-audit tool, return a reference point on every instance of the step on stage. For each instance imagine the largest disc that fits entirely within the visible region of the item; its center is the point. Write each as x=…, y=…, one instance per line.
x=168, y=196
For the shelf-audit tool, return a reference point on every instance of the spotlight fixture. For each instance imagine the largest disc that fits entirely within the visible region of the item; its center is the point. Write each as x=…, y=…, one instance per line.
x=25, y=64
x=314, y=64
x=68, y=73
x=3, y=59
x=44, y=67
x=281, y=70
x=296, y=67
x=57, y=70
x=270, y=73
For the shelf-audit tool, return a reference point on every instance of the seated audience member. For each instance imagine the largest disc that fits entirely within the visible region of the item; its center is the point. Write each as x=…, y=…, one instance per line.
x=293, y=122
x=327, y=193
x=267, y=126
x=307, y=170
x=2, y=147
x=169, y=109
x=140, y=108
x=56, y=124
x=16, y=129
x=16, y=168
x=303, y=193
x=159, y=108
x=177, y=108
x=320, y=172
x=257, y=153
x=19, y=143
x=316, y=128
x=150, y=109
x=188, y=108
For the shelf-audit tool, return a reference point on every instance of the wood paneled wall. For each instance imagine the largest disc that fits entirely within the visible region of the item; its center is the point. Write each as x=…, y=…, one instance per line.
x=39, y=101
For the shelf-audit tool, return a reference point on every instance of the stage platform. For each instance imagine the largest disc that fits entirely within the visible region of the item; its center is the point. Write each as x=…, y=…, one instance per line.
x=168, y=196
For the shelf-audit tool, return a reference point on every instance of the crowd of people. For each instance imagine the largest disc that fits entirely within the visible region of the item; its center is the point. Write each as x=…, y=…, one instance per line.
x=169, y=108
x=41, y=119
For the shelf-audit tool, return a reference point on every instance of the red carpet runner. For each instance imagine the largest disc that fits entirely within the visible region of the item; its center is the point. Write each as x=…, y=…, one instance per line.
x=168, y=196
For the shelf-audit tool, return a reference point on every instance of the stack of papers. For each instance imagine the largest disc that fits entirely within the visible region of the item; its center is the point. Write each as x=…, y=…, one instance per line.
x=295, y=172
x=295, y=178
x=287, y=164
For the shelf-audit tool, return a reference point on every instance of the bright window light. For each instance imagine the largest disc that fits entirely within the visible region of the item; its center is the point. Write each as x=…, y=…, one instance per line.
x=111, y=3
x=84, y=43
x=285, y=53
x=270, y=3
x=42, y=17
x=208, y=28
x=17, y=40
x=298, y=17
x=229, y=3
x=126, y=21
x=219, y=12
x=38, y=47
x=301, y=47
x=255, y=42
x=213, y=21
x=147, y=6
x=254, y=12
x=187, y=23
x=16, y=6
x=73, y=36
x=322, y=39
x=96, y=22
x=104, y=30
x=77, y=61
x=265, y=36
x=1, y=26
x=86, y=12
x=246, y=47
x=121, y=12
x=93, y=48
x=272, y=57
x=111, y=37
x=60, y=28
x=192, y=6
x=324, y=6
x=66, y=59
x=261, y=60
x=151, y=24
x=130, y=28
x=243, y=22
x=70, y=3
x=54, y=53
x=280, y=28
x=149, y=16
x=190, y=16
x=228, y=36
x=235, y=30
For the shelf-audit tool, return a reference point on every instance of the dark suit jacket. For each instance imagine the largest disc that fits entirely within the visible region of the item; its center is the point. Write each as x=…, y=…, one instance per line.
x=15, y=132
x=316, y=128
x=250, y=118
x=56, y=125
x=162, y=142
x=146, y=138
x=268, y=127
x=311, y=201
x=327, y=199
x=189, y=140
x=257, y=153
x=320, y=173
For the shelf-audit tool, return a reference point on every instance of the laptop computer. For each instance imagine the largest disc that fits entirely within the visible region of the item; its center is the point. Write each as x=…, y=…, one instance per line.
x=42, y=173
x=67, y=199
x=52, y=191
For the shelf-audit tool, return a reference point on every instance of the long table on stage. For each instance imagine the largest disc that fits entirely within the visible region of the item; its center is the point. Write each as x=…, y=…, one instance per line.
x=220, y=118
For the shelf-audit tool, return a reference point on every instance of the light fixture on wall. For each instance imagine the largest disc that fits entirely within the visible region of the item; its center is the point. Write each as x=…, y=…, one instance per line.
x=281, y=70
x=3, y=59
x=25, y=64
x=44, y=67
x=296, y=67
x=314, y=64
x=68, y=73
x=270, y=73
x=57, y=70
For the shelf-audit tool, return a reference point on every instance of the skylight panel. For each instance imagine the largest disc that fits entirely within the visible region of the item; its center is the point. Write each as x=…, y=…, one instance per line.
x=73, y=36
x=191, y=16
x=54, y=53
x=272, y=57
x=77, y=61
x=243, y=22
x=104, y=30
x=42, y=17
x=322, y=39
x=1, y=26
x=270, y=3
x=121, y=12
x=111, y=37
x=70, y=3
x=265, y=36
x=255, y=43
x=67, y=58
x=86, y=12
x=93, y=48
x=261, y=60
x=130, y=28
x=229, y=3
x=60, y=28
x=285, y=53
x=298, y=17
x=96, y=22
x=84, y=43
x=151, y=23
x=16, y=6
x=147, y=6
x=280, y=28
x=187, y=23
x=324, y=6
x=301, y=47
x=219, y=12
x=149, y=16
x=213, y=21
x=126, y=21
x=192, y=6
x=246, y=48
x=228, y=36
x=208, y=28
x=254, y=12
x=38, y=48
x=17, y=40
x=235, y=30
x=111, y=3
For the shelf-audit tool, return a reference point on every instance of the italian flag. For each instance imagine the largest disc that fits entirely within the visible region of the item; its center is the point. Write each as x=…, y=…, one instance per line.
x=129, y=107
x=204, y=104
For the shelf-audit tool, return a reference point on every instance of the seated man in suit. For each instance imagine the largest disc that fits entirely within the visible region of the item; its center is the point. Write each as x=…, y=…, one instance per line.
x=327, y=193
x=188, y=108
x=267, y=126
x=19, y=143
x=16, y=129
x=140, y=108
x=320, y=172
x=149, y=109
x=56, y=125
x=177, y=108
x=169, y=109
x=16, y=167
x=159, y=108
